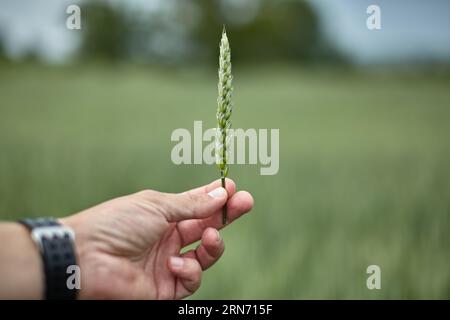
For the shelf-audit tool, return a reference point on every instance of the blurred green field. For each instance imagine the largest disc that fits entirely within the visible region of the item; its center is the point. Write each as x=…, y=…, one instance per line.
x=364, y=168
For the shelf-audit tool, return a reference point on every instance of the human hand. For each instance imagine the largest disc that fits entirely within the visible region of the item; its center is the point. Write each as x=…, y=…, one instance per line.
x=129, y=247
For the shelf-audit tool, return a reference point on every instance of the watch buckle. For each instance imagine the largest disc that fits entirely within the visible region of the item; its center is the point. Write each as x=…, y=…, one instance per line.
x=38, y=234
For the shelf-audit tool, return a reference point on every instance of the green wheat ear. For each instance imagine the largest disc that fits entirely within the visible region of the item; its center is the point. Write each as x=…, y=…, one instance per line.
x=224, y=108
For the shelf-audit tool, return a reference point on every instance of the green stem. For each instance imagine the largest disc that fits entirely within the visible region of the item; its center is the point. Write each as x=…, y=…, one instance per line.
x=224, y=209
x=222, y=173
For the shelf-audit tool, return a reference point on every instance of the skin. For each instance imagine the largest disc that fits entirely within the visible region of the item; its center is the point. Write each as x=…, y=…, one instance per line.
x=129, y=247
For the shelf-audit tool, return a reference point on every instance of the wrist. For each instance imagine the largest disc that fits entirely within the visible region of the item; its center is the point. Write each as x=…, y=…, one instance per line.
x=21, y=264
x=83, y=250
x=57, y=250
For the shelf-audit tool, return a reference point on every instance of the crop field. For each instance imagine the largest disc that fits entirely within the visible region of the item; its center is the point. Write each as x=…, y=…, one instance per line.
x=364, y=176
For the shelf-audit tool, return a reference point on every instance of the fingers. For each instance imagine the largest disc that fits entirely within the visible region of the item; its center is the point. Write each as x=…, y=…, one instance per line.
x=189, y=274
x=188, y=268
x=196, y=203
x=239, y=204
x=210, y=249
x=191, y=230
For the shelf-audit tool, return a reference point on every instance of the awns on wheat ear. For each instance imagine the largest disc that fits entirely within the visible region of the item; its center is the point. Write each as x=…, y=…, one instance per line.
x=224, y=108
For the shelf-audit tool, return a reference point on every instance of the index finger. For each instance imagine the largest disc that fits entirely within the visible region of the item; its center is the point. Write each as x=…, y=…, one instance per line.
x=191, y=230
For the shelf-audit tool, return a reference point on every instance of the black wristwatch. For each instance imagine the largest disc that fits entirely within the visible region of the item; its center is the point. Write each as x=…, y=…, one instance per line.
x=56, y=245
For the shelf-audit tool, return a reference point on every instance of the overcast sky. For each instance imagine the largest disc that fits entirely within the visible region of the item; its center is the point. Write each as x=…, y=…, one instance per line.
x=410, y=28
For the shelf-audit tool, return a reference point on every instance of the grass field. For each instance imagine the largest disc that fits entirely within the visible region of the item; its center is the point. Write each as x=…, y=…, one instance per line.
x=364, y=168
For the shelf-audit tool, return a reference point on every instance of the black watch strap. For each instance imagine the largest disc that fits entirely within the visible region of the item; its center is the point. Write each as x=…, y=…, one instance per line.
x=56, y=245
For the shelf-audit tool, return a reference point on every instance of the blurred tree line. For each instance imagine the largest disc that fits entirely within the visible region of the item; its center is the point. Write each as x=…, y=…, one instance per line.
x=2, y=51
x=177, y=32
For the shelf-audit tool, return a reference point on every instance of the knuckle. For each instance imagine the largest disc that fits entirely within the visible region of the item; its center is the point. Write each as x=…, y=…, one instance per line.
x=191, y=204
x=148, y=193
x=196, y=269
x=197, y=278
x=221, y=250
x=153, y=202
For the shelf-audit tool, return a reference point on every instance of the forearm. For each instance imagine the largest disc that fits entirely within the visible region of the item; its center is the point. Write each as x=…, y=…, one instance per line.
x=21, y=274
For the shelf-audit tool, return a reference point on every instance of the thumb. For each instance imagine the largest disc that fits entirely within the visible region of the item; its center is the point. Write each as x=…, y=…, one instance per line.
x=194, y=204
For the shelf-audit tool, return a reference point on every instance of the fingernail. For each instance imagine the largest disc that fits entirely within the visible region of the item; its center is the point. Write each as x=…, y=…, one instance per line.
x=218, y=193
x=218, y=238
x=176, y=262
